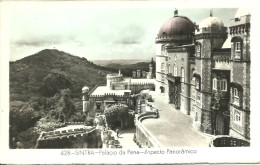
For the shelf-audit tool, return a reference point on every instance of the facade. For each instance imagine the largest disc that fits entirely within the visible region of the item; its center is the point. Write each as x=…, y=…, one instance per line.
x=206, y=74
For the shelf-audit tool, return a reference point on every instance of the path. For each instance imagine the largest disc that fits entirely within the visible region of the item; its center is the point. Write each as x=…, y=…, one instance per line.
x=173, y=128
x=126, y=138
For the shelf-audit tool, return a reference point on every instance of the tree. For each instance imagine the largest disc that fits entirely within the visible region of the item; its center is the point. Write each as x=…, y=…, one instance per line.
x=117, y=112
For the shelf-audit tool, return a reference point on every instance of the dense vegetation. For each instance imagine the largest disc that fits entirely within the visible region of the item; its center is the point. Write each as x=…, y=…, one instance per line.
x=45, y=90
x=118, y=113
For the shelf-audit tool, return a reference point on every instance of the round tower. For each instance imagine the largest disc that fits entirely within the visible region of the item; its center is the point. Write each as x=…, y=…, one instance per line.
x=85, y=98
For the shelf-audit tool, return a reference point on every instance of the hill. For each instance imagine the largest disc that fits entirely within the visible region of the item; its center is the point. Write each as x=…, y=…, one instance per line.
x=46, y=88
x=48, y=71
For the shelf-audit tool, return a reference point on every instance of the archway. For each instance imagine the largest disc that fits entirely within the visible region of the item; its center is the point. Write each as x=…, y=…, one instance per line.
x=162, y=89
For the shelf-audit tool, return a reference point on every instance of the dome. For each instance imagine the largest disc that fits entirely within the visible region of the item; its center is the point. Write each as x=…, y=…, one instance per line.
x=177, y=25
x=211, y=22
x=242, y=12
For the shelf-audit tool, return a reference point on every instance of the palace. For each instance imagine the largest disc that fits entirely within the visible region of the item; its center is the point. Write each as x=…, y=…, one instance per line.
x=205, y=73
x=202, y=70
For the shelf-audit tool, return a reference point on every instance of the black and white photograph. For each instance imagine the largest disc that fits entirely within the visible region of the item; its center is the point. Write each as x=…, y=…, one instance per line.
x=138, y=79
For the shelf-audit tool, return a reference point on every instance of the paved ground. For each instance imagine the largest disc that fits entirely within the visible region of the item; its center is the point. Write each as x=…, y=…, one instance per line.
x=173, y=128
x=126, y=138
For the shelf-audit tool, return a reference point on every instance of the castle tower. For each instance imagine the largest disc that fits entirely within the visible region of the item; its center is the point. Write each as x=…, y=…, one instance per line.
x=170, y=57
x=151, y=73
x=209, y=37
x=240, y=75
x=85, y=98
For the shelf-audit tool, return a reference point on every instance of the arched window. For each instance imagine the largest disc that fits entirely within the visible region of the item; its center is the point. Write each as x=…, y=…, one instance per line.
x=163, y=48
x=223, y=85
x=238, y=46
x=182, y=74
x=198, y=49
x=215, y=84
x=175, y=71
x=197, y=83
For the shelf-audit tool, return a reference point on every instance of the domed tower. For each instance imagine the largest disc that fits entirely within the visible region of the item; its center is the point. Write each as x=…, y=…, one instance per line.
x=85, y=98
x=176, y=31
x=209, y=37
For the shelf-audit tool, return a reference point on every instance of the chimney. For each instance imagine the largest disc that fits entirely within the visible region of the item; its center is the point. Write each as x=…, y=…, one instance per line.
x=175, y=13
x=119, y=72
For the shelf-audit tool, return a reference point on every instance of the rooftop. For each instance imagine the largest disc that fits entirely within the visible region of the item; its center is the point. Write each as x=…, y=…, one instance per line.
x=102, y=90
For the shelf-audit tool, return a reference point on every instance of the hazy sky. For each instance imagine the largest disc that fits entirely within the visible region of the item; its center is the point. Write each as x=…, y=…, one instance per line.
x=97, y=33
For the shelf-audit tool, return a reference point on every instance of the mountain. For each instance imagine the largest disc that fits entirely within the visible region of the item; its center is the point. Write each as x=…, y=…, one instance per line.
x=48, y=71
x=121, y=62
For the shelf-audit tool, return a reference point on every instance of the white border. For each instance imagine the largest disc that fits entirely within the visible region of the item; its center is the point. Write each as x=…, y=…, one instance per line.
x=204, y=155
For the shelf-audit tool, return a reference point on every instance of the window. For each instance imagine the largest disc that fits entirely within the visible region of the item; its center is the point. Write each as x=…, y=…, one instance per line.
x=98, y=106
x=198, y=83
x=163, y=78
x=197, y=116
x=175, y=71
x=162, y=67
x=198, y=48
x=215, y=84
x=238, y=46
x=235, y=92
x=182, y=74
x=198, y=96
x=238, y=117
x=163, y=48
x=223, y=85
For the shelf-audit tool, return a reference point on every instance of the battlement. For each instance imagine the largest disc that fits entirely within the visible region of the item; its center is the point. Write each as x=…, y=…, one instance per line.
x=110, y=95
x=141, y=83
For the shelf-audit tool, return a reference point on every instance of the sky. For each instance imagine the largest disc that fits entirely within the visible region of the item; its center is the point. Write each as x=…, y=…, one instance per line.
x=96, y=32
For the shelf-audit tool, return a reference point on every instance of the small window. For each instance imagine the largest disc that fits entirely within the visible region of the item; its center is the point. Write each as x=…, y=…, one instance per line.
x=175, y=71
x=238, y=46
x=235, y=92
x=197, y=116
x=162, y=67
x=198, y=96
x=198, y=83
x=215, y=84
x=198, y=48
x=238, y=117
x=223, y=85
x=98, y=106
x=182, y=74
x=163, y=48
